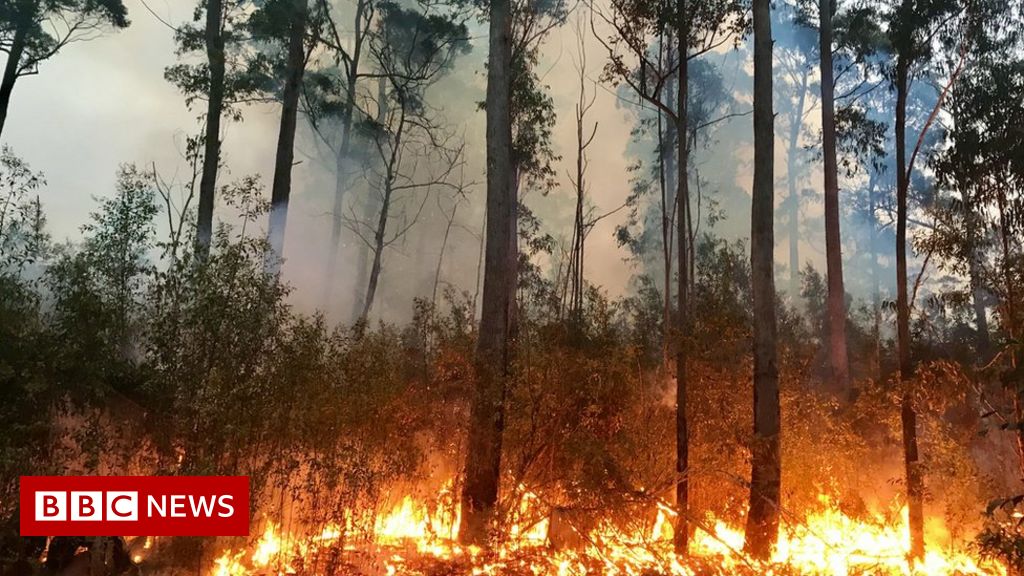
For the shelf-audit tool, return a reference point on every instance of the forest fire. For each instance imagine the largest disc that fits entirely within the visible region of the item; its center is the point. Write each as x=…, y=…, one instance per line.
x=416, y=537
x=512, y=288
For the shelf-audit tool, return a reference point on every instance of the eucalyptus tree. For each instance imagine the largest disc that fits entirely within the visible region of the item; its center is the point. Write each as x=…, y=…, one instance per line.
x=766, y=469
x=919, y=31
x=233, y=73
x=33, y=31
x=843, y=37
x=533, y=120
x=837, y=352
x=638, y=28
x=332, y=108
x=417, y=153
x=293, y=30
x=975, y=167
x=520, y=117
x=482, y=469
x=585, y=134
x=981, y=168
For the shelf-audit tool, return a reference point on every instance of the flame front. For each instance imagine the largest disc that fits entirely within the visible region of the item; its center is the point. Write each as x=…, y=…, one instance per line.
x=414, y=535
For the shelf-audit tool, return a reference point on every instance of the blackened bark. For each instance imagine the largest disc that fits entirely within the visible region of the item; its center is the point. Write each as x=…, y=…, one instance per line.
x=765, y=477
x=282, y=186
x=681, y=530
x=483, y=455
x=838, y=361
x=214, y=109
x=11, y=72
x=908, y=413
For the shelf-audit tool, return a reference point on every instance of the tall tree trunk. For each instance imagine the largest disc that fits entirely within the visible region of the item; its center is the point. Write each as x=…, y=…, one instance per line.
x=440, y=256
x=765, y=477
x=378, y=251
x=838, y=360
x=362, y=263
x=575, y=271
x=487, y=412
x=513, y=256
x=794, y=192
x=214, y=109
x=670, y=155
x=11, y=71
x=282, y=186
x=362, y=266
x=681, y=531
x=666, y=248
x=908, y=413
x=391, y=172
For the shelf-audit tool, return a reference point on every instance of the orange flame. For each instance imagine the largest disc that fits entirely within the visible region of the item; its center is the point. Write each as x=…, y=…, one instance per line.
x=827, y=542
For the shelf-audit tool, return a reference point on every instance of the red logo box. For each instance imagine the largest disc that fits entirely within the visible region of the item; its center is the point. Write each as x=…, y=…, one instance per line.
x=143, y=505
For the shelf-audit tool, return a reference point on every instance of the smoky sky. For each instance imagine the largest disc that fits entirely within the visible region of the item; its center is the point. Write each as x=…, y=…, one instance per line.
x=105, y=102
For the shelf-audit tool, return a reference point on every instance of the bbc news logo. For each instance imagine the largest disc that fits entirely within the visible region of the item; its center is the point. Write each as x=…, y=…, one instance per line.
x=82, y=506
x=149, y=505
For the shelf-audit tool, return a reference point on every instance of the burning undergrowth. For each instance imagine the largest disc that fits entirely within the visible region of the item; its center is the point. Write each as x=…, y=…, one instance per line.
x=419, y=536
x=354, y=437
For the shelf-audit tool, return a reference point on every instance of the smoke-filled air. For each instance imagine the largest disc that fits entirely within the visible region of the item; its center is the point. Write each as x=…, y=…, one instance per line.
x=519, y=287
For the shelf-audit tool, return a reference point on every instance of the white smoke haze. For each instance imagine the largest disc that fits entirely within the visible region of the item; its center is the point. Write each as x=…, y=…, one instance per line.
x=105, y=102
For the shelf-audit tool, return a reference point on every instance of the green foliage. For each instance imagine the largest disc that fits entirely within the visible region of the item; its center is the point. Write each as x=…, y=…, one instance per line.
x=23, y=238
x=247, y=71
x=33, y=31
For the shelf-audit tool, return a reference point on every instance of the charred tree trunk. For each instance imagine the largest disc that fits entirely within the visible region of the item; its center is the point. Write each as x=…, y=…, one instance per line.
x=908, y=413
x=214, y=109
x=681, y=530
x=487, y=412
x=838, y=360
x=765, y=477
x=282, y=186
x=11, y=73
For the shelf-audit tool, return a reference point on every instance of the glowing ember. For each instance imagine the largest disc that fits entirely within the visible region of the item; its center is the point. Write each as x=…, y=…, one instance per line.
x=827, y=542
